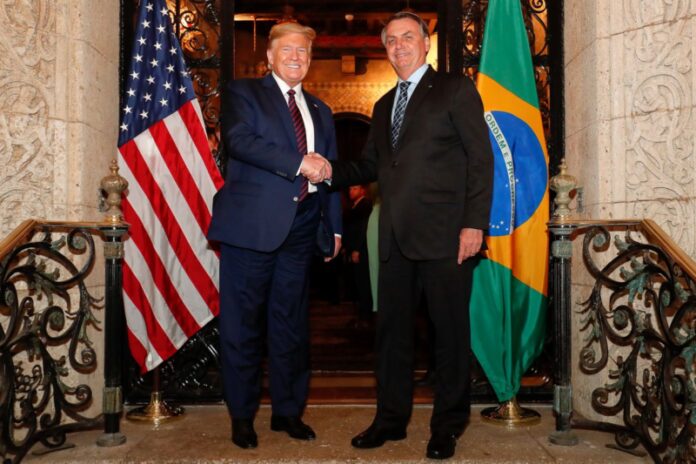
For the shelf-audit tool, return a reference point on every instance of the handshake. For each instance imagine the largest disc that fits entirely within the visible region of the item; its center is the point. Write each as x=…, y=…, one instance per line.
x=315, y=168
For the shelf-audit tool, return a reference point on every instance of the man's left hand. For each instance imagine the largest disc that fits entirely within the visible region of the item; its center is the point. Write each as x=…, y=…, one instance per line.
x=470, y=241
x=337, y=248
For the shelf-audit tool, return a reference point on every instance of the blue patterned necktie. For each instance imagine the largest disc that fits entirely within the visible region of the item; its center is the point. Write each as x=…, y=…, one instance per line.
x=399, y=112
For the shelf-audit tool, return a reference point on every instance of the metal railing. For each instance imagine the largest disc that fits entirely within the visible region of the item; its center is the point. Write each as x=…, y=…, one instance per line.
x=45, y=313
x=639, y=323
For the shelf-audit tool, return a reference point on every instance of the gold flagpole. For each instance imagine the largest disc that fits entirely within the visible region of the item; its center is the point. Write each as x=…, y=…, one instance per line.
x=510, y=414
x=157, y=410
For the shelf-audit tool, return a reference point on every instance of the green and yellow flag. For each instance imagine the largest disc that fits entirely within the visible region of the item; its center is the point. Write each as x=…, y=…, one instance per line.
x=509, y=296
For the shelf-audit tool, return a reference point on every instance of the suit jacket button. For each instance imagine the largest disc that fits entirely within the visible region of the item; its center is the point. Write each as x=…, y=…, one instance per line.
x=395, y=164
x=295, y=199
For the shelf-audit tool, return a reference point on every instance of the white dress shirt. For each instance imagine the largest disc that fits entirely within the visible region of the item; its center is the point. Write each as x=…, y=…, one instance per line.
x=306, y=117
x=414, y=79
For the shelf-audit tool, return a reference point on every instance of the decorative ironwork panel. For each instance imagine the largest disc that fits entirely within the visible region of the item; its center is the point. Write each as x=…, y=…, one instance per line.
x=197, y=25
x=191, y=375
x=45, y=310
x=640, y=321
x=536, y=20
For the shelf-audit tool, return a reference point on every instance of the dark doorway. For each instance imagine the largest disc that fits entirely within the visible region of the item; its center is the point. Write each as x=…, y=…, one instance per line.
x=351, y=134
x=339, y=343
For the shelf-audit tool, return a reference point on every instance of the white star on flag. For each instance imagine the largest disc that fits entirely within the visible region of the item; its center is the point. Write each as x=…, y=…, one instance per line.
x=170, y=273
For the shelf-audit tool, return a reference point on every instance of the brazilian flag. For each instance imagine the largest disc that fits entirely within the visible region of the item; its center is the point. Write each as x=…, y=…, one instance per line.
x=509, y=295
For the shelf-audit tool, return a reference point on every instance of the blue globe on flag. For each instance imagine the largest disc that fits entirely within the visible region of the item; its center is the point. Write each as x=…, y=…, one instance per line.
x=518, y=162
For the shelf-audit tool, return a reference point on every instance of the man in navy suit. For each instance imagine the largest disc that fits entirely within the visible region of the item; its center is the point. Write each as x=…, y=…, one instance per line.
x=266, y=219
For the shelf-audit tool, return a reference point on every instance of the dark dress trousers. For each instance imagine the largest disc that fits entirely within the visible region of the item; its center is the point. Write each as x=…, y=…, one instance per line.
x=267, y=238
x=437, y=181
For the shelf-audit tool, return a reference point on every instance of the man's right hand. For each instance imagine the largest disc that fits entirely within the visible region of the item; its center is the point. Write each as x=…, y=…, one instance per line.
x=315, y=168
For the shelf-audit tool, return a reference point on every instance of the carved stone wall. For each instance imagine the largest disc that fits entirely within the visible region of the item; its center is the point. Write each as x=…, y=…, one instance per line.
x=629, y=124
x=30, y=141
x=658, y=92
x=58, y=106
x=629, y=110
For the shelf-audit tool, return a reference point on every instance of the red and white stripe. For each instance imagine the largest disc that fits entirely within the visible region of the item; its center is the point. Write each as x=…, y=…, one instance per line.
x=170, y=273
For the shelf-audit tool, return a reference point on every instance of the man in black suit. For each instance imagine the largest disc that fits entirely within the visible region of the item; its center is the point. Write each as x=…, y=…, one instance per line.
x=430, y=151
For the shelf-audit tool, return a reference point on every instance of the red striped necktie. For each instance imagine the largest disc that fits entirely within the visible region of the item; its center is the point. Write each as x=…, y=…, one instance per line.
x=301, y=136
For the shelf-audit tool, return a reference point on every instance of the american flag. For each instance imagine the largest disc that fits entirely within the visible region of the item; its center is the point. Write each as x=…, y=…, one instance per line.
x=170, y=274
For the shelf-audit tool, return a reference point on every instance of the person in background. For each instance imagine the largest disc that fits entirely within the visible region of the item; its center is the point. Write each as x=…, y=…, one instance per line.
x=355, y=248
x=373, y=246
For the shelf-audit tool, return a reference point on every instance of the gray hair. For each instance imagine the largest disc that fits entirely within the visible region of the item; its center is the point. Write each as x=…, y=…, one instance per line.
x=405, y=15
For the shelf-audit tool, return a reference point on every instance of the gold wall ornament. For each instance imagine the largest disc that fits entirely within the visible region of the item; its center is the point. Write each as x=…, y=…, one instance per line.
x=563, y=184
x=113, y=185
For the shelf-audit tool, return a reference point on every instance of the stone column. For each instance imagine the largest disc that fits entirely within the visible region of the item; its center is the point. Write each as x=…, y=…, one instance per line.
x=629, y=122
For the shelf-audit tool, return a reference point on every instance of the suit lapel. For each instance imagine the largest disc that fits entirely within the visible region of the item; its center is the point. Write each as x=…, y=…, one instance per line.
x=316, y=119
x=281, y=106
x=389, y=101
x=424, y=86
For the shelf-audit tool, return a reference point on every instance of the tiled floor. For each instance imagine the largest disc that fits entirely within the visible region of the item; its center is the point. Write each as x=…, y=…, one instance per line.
x=202, y=436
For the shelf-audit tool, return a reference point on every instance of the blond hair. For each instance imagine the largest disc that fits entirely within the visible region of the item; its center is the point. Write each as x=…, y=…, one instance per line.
x=290, y=27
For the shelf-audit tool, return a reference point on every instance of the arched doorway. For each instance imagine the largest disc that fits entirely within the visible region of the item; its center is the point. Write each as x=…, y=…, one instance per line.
x=351, y=134
x=338, y=343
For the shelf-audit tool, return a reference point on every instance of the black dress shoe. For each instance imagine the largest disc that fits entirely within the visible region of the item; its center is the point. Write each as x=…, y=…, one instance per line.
x=441, y=446
x=374, y=437
x=294, y=426
x=243, y=434
x=428, y=379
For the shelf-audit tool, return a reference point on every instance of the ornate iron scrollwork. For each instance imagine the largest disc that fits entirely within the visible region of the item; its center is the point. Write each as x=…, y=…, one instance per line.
x=535, y=13
x=640, y=320
x=191, y=375
x=197, y=25
x=39, y=317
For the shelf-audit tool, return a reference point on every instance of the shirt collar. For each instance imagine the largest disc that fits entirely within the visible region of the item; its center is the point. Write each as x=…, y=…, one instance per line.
x=284, y=87
x=416, y=76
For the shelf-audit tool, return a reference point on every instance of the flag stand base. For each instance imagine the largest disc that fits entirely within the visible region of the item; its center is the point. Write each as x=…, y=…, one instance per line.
x=156, y=411
x=510, y=414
